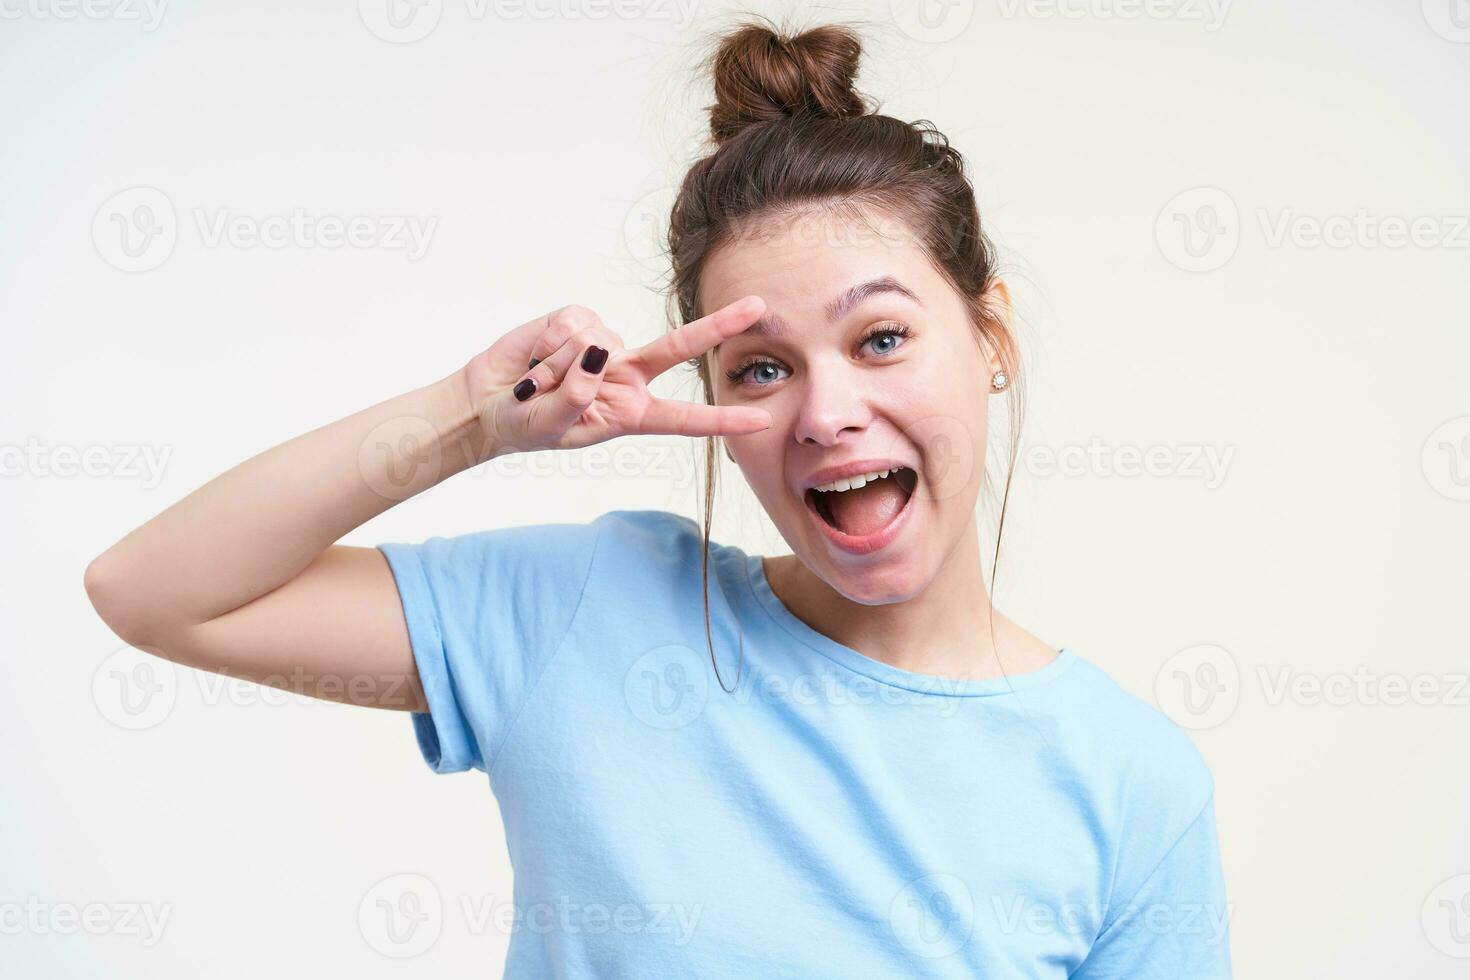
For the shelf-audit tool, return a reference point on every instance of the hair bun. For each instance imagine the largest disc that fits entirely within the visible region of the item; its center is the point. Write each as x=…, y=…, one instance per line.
x=761, y=75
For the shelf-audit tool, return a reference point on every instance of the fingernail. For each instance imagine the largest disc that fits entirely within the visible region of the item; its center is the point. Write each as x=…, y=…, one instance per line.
x=525, y=389
x=534, y=361
x=594, y=359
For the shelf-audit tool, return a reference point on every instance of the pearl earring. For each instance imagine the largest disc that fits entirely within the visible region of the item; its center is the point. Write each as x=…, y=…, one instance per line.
x=999, y=381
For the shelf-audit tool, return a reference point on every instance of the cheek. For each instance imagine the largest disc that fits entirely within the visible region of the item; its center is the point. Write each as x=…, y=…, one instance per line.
x=762, y=458
x=942, y=389
x=958, y=387
x=759, y=457
x=943, y=413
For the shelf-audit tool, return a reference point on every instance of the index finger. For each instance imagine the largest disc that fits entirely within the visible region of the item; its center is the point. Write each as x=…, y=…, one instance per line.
x=695, y=337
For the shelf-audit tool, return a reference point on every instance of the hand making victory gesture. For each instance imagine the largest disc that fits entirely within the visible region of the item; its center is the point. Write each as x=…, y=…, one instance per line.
x=582, y=387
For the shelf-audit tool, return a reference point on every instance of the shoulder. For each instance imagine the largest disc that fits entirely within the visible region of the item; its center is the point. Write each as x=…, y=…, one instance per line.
x=647, y=538
x=658, y=536
x=633, y=562
x=653, y=529
x=1150, y=768
x=645, y=547
x=645, y=532
x=626, y=544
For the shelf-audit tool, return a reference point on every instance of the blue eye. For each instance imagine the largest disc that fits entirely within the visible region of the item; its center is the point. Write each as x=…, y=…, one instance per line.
x=762, y=372
x=766, y=371
x=891, y=334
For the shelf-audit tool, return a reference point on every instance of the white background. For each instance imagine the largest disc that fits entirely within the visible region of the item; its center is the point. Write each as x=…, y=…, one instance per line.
x=542, y=142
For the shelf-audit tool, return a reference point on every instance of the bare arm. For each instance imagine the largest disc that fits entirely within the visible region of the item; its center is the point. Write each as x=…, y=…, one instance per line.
x=243, y=576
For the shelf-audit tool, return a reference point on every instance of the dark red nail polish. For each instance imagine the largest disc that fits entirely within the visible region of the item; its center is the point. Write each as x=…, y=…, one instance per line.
x=525, y=389
x=594, y=359
x=534, y=361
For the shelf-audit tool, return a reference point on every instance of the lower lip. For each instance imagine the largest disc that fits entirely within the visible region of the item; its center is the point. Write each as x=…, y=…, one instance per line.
x=862, y=544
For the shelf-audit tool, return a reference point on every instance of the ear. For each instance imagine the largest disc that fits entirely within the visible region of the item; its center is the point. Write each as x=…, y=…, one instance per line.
x=1005, y=354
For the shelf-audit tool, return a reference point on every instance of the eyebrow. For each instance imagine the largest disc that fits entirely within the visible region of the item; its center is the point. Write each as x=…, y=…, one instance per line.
x=771, y=325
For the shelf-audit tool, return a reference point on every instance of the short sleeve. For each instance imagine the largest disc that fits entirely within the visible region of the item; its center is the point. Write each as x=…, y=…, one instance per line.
x=1176, y=925
x=486, y=612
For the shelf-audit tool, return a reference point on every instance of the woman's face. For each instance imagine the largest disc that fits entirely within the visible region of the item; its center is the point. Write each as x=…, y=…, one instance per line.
x=866, y=360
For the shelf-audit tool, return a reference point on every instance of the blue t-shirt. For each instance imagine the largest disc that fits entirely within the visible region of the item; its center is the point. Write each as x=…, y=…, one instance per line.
x=834, y=816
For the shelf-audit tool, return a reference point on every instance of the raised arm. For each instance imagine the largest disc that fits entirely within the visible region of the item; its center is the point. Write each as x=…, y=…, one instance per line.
x=243, y=576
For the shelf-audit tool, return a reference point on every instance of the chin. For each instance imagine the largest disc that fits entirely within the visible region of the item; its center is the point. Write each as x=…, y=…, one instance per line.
x=877, y=586
x=893, y=573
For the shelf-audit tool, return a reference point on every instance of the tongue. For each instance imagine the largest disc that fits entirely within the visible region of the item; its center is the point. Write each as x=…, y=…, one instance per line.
x=867, y=509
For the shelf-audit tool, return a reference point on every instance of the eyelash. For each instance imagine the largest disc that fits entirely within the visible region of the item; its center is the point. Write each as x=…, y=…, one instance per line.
x=897, y=330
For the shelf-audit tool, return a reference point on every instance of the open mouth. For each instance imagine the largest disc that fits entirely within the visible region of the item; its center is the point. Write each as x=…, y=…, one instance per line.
x=861, y=507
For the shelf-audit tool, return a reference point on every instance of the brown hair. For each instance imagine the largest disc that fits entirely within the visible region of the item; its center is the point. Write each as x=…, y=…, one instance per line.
x=792, y=135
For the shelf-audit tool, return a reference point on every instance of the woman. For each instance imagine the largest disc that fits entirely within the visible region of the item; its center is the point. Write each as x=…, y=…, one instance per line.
x=841, y=762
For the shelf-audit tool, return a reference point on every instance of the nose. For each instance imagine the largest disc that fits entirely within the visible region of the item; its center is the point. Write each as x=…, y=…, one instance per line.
x=834, y=407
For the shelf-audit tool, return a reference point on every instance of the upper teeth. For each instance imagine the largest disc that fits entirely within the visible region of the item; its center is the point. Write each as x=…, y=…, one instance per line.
x=853, y=482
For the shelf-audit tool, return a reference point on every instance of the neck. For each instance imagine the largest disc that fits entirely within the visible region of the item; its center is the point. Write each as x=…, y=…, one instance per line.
x=946, y=630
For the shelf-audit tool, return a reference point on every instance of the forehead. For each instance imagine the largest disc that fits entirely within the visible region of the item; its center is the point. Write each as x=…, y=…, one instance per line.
x=815, y=264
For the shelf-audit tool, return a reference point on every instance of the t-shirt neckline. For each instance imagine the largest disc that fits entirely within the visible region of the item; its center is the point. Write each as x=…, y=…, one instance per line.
x=847, y=657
